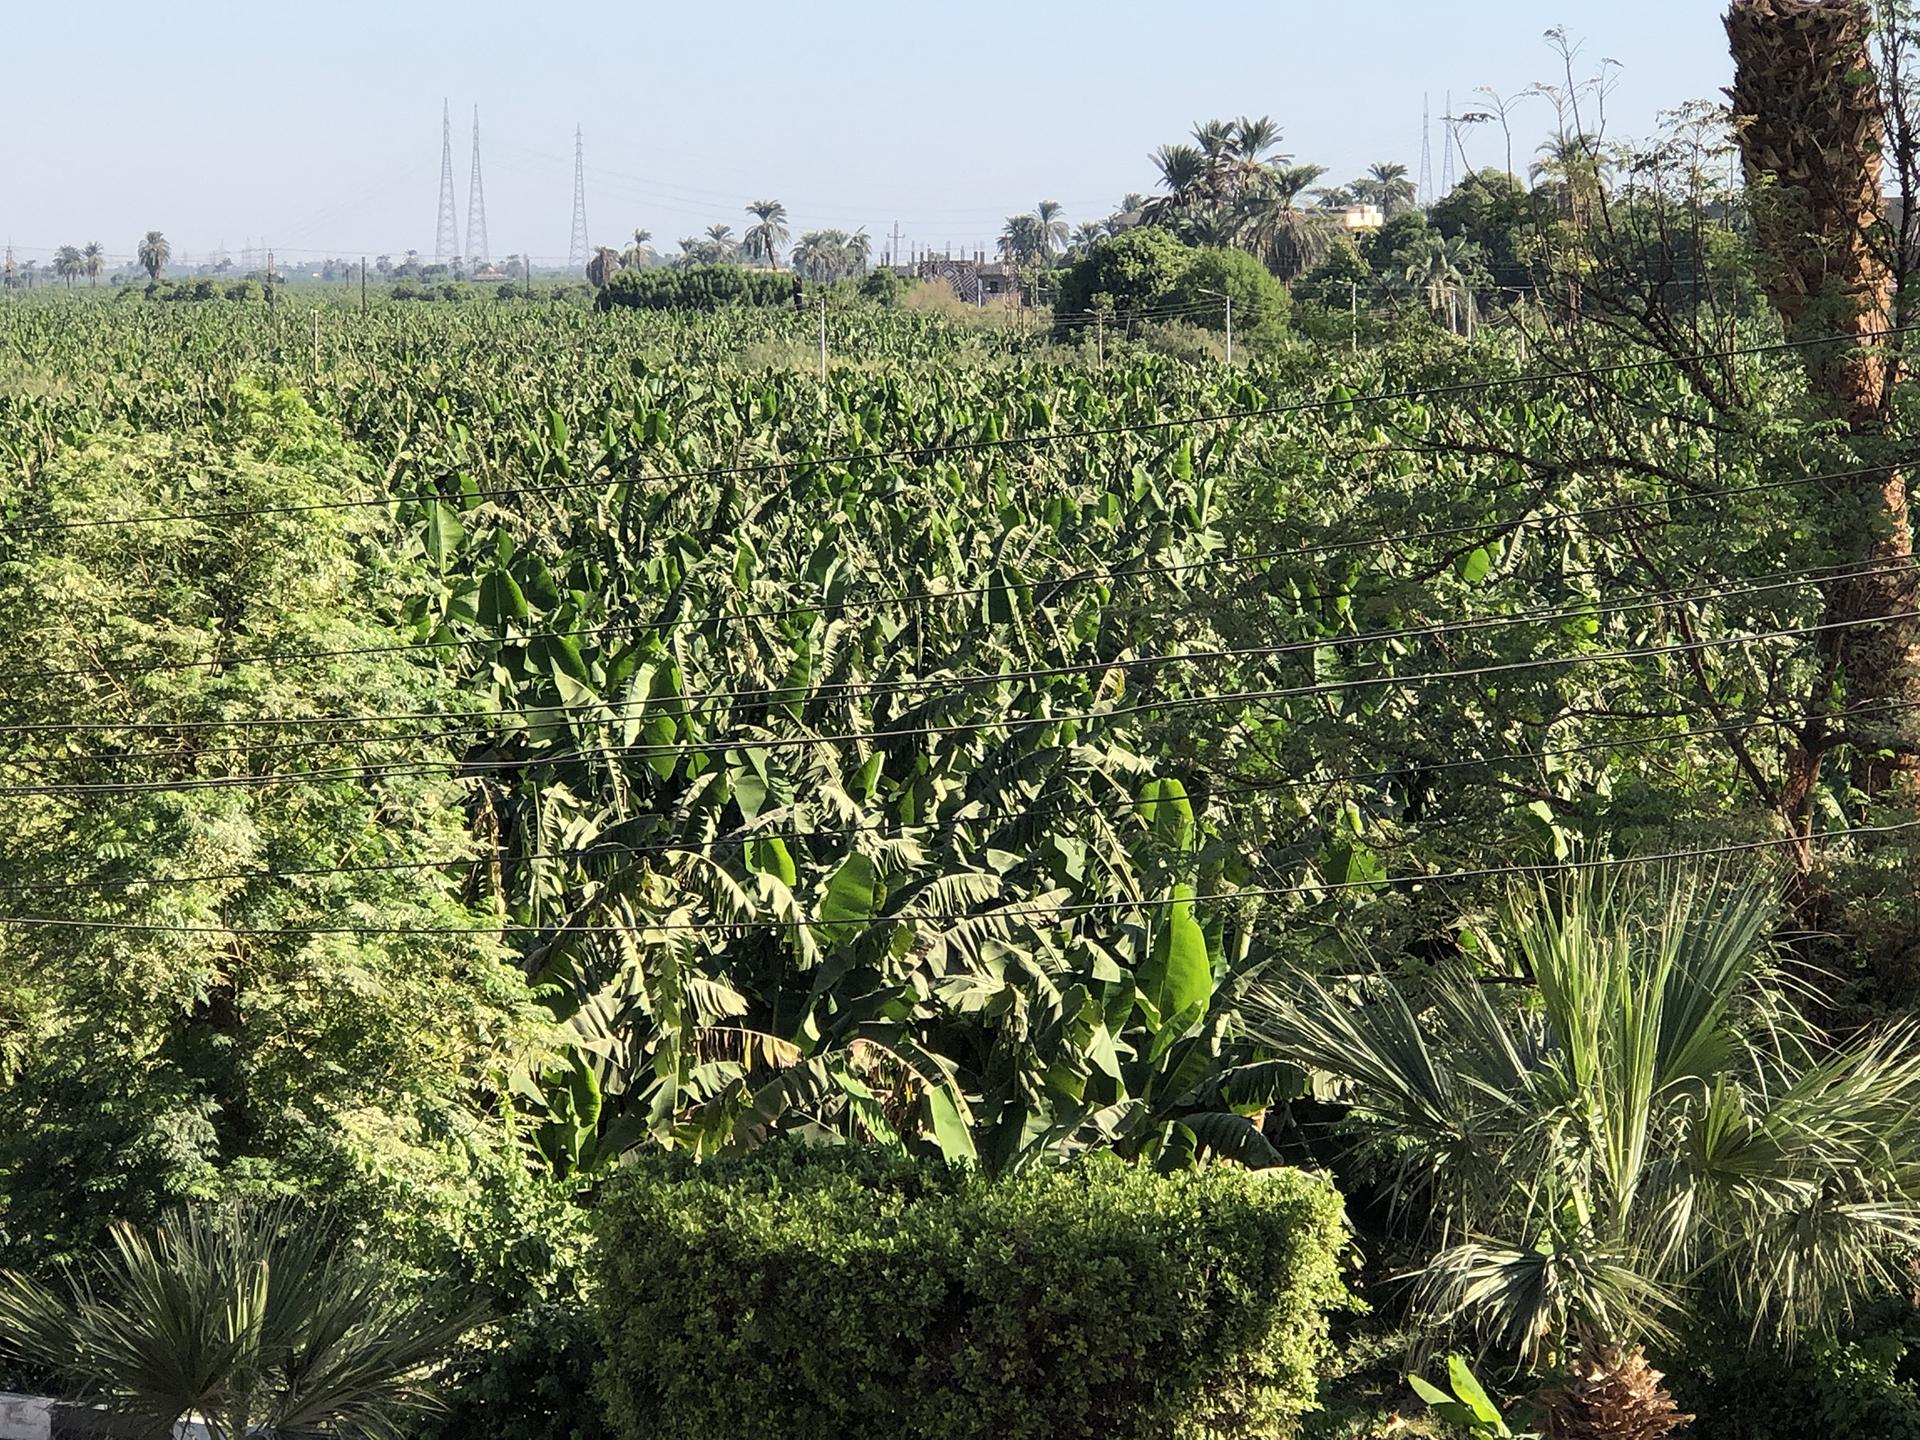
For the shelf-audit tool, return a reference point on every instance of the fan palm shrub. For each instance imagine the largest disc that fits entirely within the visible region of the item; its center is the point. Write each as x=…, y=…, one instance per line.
x=1638, y=1130
x=256, y=1320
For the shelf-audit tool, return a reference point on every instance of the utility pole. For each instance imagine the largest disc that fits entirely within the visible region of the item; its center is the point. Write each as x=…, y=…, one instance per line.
x=895, y=251
x=363, y=284
x=823, y=336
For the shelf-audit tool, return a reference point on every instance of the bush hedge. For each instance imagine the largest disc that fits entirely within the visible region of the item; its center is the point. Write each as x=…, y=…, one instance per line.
x=811, y=1294
x=703, y=287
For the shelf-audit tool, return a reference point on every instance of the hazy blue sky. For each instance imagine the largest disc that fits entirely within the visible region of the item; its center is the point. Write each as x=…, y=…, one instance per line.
x=318, y=125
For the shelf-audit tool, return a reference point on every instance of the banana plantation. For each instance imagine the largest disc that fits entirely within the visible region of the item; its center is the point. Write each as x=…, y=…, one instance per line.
x=639, y=871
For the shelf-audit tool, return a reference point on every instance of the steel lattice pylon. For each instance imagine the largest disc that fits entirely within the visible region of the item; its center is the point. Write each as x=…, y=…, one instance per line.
x=580, y=251
x=447, y=234
x=477, y=252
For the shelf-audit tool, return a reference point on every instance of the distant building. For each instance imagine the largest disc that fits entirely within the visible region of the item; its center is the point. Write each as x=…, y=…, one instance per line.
x=975, y=281
x=1361, y=218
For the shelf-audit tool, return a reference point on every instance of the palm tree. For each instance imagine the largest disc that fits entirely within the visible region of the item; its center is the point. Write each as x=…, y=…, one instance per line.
x=1050, y=228
x=636, y=255
x=1274, y=226
x=1645, y=1129
x=1088, y=232
x=67, y=264
x=1183, y=175
x=1439, y=271
x=1394, y=186
x=763, y=241
x=828, y=255
x=1573, y=169
x=1021, y=242
x=153, y=255
x=95, y=258
x=1254, y=140
x=719, y=245
x=257, y=1322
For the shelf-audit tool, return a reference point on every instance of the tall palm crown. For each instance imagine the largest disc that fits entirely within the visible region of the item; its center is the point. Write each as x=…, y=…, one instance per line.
x=1394, y=186
x=1050, y=227
x=1639, y=1130
x=67, y=264
x=154, y=253
x=95, y=256
x=763, y=241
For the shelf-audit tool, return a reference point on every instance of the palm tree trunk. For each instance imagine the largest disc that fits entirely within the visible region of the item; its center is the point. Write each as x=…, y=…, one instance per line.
x=1810, y=135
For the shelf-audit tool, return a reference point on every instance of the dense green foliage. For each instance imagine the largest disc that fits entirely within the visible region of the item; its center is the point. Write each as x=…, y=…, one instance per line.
x=845, y=1293
x=1127, y=273
x=702, y=287
x=144, y=1065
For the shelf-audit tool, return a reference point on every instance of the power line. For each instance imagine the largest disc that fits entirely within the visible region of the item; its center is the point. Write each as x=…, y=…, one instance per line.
x=755, y=698
x=915, y=452
x=1127, y=570
x=474, y=770
x=1049, y=912
x=614, y=851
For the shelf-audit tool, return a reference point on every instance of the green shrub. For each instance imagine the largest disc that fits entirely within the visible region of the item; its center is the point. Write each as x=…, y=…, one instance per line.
x=882, y=287
x=703, y=287
x=1862, y=1385
x=815, y=1294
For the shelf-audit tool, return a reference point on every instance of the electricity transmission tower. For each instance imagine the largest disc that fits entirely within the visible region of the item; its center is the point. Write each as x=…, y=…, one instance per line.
x=1426, y=150
x=578, y=253
x=1453, y=139
x=476, y=205
x=447, y=235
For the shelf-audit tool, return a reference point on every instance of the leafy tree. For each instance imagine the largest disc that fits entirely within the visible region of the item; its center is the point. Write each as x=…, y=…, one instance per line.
x=1331, y=284
x=153, y=254
x=1261, y=303
x=1130, y=272
x=253, y=1035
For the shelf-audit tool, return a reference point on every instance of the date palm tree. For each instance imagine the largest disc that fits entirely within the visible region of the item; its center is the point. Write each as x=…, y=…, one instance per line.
x=1183, y=175
x=1439, y=272
x=1394, y=186
x=153, y=254
x=1636, y=1132
x=1274, y=225
x=636, y=255
x=257, y=1322
x=1021, y=242
x=719, y=244
x=763, y=240
x=1050, y=228
x=95, y=261
x=67, y=264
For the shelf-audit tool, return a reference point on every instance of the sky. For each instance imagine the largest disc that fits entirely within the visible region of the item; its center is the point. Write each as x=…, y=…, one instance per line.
x=317, y=127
